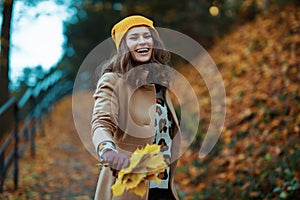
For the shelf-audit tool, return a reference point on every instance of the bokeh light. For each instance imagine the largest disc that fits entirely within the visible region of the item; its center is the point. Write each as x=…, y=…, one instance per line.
x=214, y=11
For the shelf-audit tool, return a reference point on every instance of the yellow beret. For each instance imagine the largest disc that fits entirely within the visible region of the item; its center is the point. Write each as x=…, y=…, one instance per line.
x=120, y=29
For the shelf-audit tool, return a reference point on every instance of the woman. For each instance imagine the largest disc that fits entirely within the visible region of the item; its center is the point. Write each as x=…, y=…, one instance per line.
x=133, y=108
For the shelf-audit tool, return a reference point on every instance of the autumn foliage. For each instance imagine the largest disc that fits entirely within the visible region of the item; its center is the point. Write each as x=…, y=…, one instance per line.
x=257, y=156
x=144, y=166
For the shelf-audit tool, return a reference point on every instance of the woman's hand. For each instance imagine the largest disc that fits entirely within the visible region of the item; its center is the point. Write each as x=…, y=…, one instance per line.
x=116, y=161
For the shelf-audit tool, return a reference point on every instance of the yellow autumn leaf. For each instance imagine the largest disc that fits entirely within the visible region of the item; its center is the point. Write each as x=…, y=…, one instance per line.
x=153, y=177
x=134, y=160
x=140, y=155
x=123, y=173
x=156, y=162
x=140, y=190
x=157, y=171
x=118, y=188
x=145, y=164
x=133, y=180
x=153, y=148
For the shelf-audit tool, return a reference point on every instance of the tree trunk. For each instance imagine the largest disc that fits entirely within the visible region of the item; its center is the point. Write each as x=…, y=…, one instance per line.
x=4, y=54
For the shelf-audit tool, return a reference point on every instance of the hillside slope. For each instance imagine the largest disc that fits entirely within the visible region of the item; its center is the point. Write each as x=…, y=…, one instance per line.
x=257, y=156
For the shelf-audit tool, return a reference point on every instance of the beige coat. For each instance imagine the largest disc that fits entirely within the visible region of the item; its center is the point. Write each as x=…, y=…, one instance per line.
x=125, y=116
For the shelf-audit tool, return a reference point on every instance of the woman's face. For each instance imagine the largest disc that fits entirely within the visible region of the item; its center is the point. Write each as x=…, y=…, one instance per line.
x=140, y=43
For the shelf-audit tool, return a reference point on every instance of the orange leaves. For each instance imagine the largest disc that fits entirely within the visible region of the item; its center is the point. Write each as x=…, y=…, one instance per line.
x=144, y=165
x=259, y=63
x=193, y=171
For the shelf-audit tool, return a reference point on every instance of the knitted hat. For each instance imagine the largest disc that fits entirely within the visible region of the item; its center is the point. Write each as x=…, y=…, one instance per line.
x=120, y=29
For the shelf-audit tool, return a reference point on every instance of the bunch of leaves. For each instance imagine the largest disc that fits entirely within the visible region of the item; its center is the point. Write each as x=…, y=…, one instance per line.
x=145, y=164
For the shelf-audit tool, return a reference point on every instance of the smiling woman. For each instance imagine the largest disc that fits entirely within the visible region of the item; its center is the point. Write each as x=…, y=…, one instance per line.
x=132, y=108
x=140, y=43
x=37, y=36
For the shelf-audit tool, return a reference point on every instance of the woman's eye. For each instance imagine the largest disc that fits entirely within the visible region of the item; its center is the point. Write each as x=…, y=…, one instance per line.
x=147, y=36
x=133, y=38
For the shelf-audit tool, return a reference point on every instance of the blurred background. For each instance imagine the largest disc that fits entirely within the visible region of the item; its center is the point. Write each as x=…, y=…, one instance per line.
x=254, y=43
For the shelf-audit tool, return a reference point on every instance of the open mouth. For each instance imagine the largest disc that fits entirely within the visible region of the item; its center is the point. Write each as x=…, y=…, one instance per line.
x=143, y=50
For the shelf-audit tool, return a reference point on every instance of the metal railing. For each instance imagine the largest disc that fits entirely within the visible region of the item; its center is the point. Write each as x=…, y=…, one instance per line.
x=28, y=113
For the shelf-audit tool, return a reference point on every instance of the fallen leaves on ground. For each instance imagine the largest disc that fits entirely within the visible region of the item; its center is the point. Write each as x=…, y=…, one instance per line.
x=62, y=168
x=257, y=155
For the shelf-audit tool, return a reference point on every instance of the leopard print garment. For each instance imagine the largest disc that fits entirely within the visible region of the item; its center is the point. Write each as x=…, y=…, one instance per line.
x=163, y=135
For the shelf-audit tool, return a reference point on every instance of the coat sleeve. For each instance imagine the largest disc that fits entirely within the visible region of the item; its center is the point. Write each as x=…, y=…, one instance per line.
x=105, y=112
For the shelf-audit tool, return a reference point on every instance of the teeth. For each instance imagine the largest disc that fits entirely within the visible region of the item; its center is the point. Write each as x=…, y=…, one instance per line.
x=142, y=50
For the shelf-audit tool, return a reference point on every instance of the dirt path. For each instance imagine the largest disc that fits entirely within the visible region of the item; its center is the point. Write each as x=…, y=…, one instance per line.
x=62, y=168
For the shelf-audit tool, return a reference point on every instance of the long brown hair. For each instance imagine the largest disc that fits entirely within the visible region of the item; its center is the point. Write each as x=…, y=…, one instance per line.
x=157, y=68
